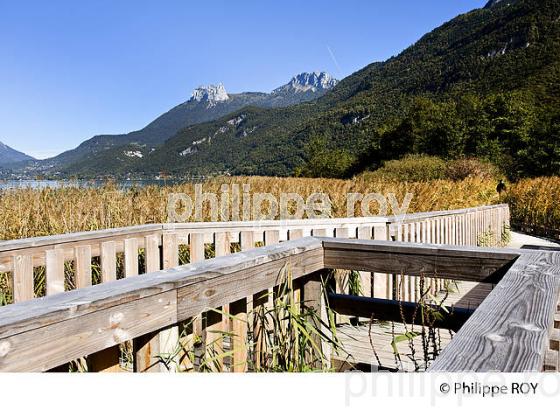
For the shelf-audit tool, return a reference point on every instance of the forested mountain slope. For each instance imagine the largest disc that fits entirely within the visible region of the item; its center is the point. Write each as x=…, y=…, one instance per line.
x=485, y=84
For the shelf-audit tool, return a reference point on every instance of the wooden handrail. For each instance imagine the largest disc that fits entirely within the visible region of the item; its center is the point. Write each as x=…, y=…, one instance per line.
x=199, y=227
x=160, y=243
x=441, y=261
x=128, y=252
x=510, y=330
x=27, y=243
x=43, y=333
x=434, y=214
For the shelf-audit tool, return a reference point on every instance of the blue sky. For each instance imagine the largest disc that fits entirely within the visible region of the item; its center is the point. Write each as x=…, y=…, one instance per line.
x=73, y=69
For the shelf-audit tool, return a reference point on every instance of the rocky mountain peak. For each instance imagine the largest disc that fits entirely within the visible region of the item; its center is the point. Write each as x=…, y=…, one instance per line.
x=303, y=82
x=211, y=94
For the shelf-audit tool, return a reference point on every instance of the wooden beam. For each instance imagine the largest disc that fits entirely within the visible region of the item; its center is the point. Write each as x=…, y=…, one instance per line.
x=509, y=331
x=397, y=311
x=443, y=262
x=43, y=348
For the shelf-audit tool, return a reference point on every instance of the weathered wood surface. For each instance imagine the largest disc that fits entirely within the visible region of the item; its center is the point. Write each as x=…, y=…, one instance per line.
x=441, y=261
x=83, y=267
x=55, y=271
x=510, y=330
x=43, y=333
x=359, y=353
x=69, y=238
x=121, y=233
x=23, y=278
x=433, y=214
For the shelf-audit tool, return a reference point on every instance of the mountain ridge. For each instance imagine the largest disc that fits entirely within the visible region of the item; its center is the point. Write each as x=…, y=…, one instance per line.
x=484, y=84
x=488, y=55
x=206, y=103
x=9, y=156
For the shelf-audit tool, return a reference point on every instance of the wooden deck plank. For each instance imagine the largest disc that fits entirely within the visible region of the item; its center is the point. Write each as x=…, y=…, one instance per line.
x=356, y=342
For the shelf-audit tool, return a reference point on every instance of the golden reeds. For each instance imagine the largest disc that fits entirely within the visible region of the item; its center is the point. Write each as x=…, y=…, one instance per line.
x=36, y=212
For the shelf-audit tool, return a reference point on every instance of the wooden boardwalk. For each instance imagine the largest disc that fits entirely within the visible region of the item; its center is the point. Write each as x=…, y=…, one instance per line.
x=512, y=328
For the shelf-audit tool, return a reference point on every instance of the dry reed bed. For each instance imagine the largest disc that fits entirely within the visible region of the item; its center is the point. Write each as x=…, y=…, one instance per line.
x=36, y=212
x=535, y=203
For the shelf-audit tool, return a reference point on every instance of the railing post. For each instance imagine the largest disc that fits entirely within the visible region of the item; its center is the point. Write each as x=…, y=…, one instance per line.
x=381, y=281
x=108, y=261
x=170, y=246
x=131, y=257
x=145, y=349
x=314, y=298
x=412, y=231
x=169, y=340
x=196, y=250
x=365, y=232
x=213, y=324
x=166, y=341
x=153, y=260
x=83, y=266
x=22, y=278
x=261, y=303
x=342, y=279
x=55, y=271
x=239, y=322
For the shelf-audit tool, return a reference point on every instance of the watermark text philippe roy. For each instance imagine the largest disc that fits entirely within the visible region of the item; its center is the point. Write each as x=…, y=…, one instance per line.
x=239, y=203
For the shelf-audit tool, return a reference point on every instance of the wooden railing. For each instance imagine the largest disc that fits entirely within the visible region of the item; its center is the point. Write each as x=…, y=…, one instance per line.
x=115, y=253
x=468, y=227
x=146, y=308
x=511, y=331
x=68, y=260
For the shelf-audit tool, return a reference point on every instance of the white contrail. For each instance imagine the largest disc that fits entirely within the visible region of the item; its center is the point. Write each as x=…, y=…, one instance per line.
x=334, y=59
